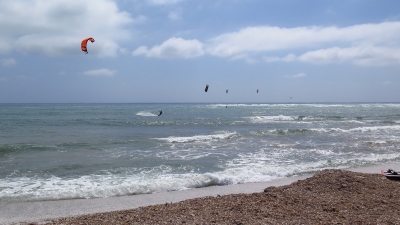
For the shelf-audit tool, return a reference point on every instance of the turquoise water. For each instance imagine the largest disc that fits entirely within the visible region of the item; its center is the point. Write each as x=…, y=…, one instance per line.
x=66, y=151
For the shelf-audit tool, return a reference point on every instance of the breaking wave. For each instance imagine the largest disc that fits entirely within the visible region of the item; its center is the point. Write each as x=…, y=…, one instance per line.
x=198, y=138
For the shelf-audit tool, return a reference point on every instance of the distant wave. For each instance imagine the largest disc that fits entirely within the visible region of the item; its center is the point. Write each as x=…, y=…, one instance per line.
x=197, y=138
x=145, y=113
x=367, y=129
x=311, y=119
x=260, y=119
x=359, y=129
x=336, y=130
x=314, y=105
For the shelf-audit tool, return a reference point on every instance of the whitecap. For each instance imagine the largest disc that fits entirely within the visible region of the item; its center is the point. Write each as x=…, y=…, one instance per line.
x=197, y=138
x=266, y=119
x=145, y=113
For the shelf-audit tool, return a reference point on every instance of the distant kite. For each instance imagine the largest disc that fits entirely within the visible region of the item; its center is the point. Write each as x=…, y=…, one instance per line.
x=257, y=90
x=84, y=43
x=206, y=88
x=227, y=91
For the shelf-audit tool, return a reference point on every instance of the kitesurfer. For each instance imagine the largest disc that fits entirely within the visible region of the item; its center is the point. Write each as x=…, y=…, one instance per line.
x=206, y=88
x=160, y=113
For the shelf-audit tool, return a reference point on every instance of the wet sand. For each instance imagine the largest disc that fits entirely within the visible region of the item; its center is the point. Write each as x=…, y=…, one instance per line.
x=231, y=203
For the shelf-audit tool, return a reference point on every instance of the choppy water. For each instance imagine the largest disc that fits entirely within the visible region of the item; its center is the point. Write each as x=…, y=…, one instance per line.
x=65, y=151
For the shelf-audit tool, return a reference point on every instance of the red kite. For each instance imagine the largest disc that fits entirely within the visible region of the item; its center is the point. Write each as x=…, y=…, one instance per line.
x=84, y=43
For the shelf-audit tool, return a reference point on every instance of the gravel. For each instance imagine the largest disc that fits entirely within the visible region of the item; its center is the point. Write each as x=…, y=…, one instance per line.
x=328, y=197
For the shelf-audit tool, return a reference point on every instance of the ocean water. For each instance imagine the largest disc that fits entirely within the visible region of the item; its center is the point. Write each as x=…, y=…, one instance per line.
x=69, y=151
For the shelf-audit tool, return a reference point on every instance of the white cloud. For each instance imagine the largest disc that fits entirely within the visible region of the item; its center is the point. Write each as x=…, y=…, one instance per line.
x=163, y=2
x=359, y=55
x=173, y=48
x=100, y=73
x=8, y=62
x=142, y=50
x=57, y=27
x=363, y=44
x=259, y=39
x=289, y=58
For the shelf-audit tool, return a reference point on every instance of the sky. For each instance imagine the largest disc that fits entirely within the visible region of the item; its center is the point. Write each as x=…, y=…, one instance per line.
x=166, y=51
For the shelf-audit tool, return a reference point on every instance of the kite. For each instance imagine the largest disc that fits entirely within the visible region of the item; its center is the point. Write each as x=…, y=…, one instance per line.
x=206, y=88
x=257, y=90
x=227, y=91
x=84, y=43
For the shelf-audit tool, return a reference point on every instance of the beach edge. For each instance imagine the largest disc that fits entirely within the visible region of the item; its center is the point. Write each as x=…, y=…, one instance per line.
x=42, y=211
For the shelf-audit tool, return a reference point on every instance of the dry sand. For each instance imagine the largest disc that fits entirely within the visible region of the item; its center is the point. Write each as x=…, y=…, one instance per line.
x=328, y=197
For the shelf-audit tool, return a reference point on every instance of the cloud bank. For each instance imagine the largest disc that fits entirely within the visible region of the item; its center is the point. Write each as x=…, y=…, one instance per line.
x=173, y=48
x=364, y=44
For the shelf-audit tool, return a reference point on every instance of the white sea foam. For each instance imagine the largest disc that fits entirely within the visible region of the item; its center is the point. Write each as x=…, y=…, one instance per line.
x=111, y=185
x=356, y=121
x=197, y=138
x=251, y=168
x=357, y=129
x=146, y=113
x=237, y=105
x=369, y=129
x=266, y=119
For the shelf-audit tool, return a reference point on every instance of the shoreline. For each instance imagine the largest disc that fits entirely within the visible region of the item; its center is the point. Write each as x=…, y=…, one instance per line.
x=43, y=211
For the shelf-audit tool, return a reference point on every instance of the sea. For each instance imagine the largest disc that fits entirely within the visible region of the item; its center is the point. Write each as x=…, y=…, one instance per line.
x=80, y=151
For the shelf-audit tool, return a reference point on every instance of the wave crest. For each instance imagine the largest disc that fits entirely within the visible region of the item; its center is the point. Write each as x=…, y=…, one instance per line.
x=145, y=113
x=197, y=138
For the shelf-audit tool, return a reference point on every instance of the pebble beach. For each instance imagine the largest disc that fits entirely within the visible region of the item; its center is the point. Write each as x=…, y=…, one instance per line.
x=331, y=196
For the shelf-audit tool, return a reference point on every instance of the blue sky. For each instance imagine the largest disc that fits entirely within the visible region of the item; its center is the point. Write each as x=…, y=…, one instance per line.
x=168, y=50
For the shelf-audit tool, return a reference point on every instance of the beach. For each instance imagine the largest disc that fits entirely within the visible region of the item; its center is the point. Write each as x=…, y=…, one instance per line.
x=357, y=195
